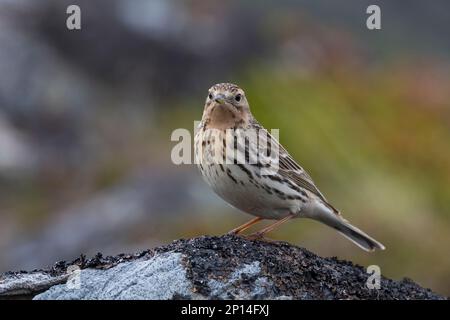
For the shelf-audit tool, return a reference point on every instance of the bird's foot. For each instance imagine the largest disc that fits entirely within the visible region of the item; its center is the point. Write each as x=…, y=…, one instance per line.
x=233, y=232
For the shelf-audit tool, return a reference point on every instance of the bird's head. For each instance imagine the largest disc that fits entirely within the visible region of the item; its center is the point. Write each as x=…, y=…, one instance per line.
x=226, y=107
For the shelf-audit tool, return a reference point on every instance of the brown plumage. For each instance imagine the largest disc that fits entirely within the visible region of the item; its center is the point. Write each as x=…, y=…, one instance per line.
x=235, y=155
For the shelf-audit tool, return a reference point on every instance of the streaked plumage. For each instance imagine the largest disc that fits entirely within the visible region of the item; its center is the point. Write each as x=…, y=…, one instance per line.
x=246, y=174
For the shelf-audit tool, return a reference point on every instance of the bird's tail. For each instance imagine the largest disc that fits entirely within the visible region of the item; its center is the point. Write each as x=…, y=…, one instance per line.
x=357, y=236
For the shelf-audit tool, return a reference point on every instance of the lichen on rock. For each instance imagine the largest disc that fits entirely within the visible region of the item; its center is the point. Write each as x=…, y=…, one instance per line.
x=226, y=267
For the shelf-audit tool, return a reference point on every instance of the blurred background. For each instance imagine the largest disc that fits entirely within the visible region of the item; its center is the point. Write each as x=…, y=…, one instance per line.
x=86, y=118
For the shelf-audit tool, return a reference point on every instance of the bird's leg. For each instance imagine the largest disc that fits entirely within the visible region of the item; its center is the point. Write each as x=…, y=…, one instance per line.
x=245, y=226
x=260, y=234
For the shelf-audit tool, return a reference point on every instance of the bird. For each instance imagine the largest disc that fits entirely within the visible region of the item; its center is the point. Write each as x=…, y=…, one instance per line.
x=247, y=167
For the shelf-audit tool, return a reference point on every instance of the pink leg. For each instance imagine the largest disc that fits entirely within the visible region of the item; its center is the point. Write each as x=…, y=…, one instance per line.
x=245, y=226
x=260, y=234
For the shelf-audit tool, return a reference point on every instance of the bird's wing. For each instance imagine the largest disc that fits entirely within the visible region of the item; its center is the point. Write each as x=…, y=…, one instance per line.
x=291, y=170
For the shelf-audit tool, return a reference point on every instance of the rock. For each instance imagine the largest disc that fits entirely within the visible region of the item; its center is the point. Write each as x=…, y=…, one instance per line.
x=158, y=278
x=26, y=285
x=226, y=267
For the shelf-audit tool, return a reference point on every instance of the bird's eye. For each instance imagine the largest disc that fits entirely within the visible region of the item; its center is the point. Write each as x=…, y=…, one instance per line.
x=210, y=96
x=238, y=97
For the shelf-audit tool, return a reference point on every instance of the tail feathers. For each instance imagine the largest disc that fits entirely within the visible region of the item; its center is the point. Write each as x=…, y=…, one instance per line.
x=357, y=236
x=360, y=238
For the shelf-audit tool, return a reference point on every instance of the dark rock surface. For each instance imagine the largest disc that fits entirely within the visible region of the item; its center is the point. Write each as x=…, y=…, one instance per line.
x=226, y=267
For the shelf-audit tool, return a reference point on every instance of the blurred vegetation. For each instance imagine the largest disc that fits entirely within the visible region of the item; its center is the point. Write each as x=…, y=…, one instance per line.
x=377, y=146
x=367, y=114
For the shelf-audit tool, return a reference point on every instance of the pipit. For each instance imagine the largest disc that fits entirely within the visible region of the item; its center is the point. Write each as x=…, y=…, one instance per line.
x=246, y=166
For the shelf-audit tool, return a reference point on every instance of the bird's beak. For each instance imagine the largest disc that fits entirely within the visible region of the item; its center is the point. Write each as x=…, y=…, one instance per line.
x=220, y=99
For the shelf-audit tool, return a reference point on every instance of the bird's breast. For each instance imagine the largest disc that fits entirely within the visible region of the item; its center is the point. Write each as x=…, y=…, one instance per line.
x=242, y=184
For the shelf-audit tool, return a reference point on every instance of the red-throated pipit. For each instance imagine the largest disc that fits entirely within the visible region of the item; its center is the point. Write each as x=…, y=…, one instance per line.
x=245, y=165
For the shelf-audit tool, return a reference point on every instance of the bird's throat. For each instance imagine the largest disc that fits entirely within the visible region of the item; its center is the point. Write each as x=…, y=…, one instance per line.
x=223, y=117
